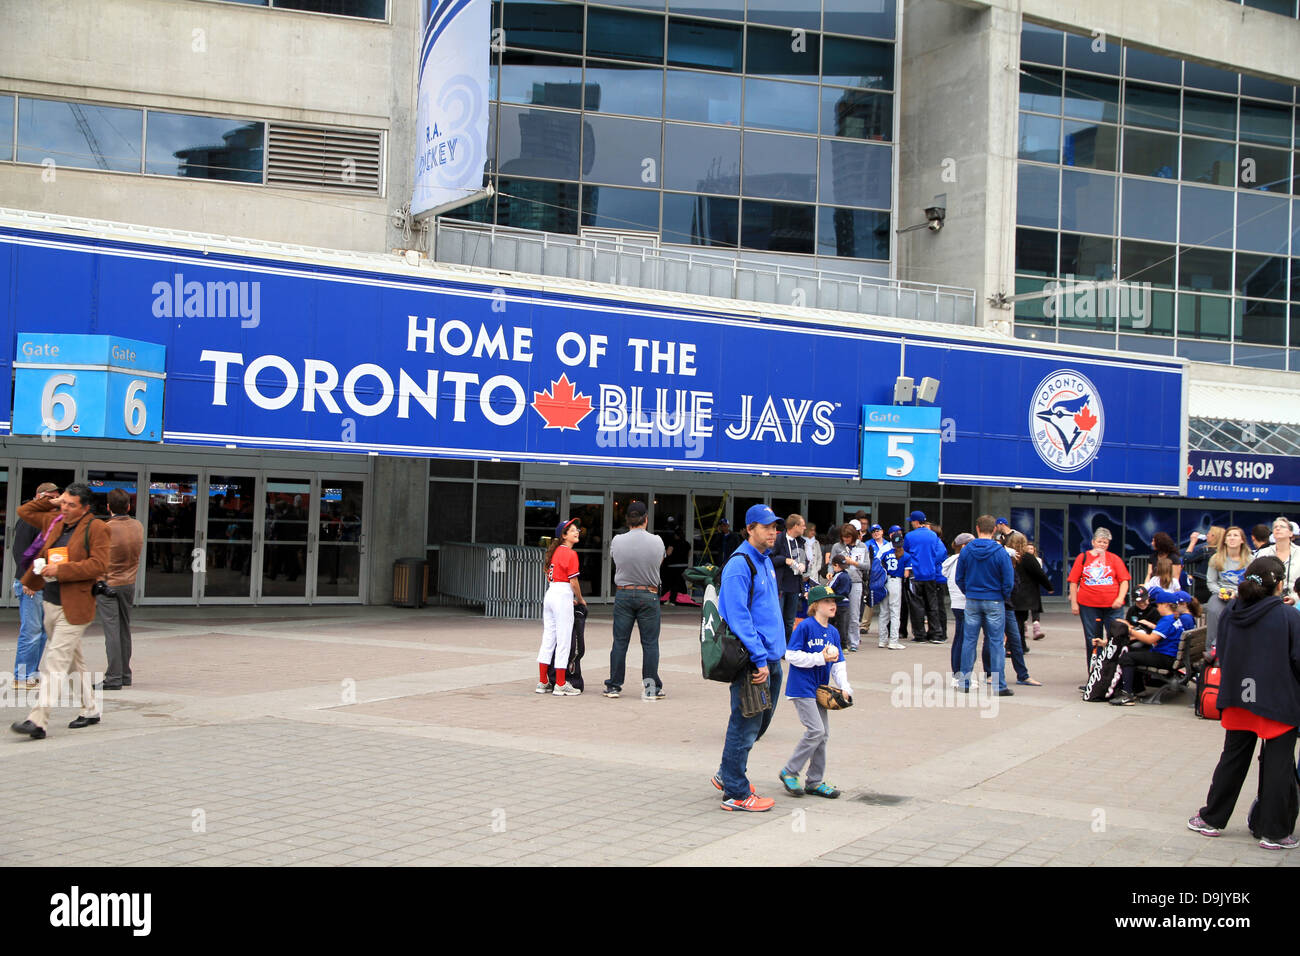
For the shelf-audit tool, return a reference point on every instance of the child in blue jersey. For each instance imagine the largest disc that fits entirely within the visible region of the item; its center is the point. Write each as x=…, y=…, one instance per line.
x=814, y=654
x=897, y=564
x=842, y=585
x=1163, y=640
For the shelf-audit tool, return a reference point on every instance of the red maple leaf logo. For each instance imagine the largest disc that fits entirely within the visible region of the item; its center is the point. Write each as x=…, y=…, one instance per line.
x=1085, y=419
x=561, y=406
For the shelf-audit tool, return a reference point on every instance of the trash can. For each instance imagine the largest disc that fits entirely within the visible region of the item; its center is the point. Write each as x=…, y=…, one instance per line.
x=410, y=582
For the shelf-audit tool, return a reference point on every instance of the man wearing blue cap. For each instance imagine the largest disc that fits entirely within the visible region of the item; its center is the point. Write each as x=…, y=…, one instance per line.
x=1001, y=527
x=749, y=603
x=924, y=600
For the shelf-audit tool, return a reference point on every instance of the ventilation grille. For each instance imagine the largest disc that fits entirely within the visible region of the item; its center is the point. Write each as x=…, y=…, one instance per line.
x=324, y=158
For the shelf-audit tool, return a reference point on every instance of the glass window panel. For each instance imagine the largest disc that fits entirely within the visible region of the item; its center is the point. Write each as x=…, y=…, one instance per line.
x=621, y=152
x=853, y=233
x=542, y=25
x=1040, y=90
x=875, y=19
x=451, y=509
x=79, y=135
x=1260, y=322
x=855, y=174
x=703, y=98
x=1087, y=257
x=780, y=167
x=786, y=13
x=481, y=210
x=700, y=220
x=1284, y=7
x=1261, y=223
x=1199, y=351
x=1209, y=78
x=1150, y=154
x=717, y=9
x=619, y=35
x=6, y=128
x=1040, y=138
x=856, y=114
x=1266, y=89
x=1267, y=170
x=1036, y=252
x=1266, y=124
x=639, y=4
x=625, y=209
x=1153, y=66
x=496, y=519
x=1151, y=106
x=1041, y=44
x=781, y=55
x=1204, y=317
x=1148, y=312
x=1203, y=270
x=535, y=142
x=1258, y=356
x=1261, y=277
x=858, y=63
x=532, y=204
x=1295, y=280
x=1206, y=217
x=371, y=9
x=770, y=104
x=710, y=46
x=1096, y=54
x=536, y=79
x=1078, y=311
x=1205, y=115
x=1038, y=196
x=1208, y=161
x=1151, y=346
x=1087, y=202
x=1040, y=311
x=1090, y=145
x=777, y=227
x=1149, y=210
x=1147, y=262
x=204, y=147
x=701, y=160
x=636, y=90
x=1091, y=98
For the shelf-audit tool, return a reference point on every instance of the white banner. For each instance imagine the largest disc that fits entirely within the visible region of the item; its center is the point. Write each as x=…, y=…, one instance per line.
x=452, y=104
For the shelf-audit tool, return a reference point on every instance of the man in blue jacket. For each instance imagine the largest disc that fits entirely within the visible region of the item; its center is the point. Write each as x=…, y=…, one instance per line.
x=985, y=576
x=925, y=600
x=749, y=603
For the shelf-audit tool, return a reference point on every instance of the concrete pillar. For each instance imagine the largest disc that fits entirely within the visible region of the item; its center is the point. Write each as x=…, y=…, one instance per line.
x=993, y=501
x=399, y=502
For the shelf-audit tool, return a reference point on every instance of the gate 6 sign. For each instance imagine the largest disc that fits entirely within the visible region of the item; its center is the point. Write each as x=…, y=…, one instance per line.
x=88, y=386
x=900, y=442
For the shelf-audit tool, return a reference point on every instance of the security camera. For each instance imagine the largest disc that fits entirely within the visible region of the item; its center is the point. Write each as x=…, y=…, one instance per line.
x=934, y=225
x=935, y=216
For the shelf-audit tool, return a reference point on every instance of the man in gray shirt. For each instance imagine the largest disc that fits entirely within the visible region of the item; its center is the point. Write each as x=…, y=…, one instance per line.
x=637, y=556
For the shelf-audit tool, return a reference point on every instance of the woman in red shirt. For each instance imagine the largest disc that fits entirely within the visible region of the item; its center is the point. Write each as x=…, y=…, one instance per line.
x=1098, y=586
x=563, y=591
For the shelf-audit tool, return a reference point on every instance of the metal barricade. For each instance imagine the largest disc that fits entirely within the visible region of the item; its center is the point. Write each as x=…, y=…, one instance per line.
x=507, y=580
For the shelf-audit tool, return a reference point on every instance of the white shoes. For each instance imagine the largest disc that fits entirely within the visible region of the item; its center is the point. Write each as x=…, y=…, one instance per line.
x=895, y=646
x=542, y=688
x=565, y=690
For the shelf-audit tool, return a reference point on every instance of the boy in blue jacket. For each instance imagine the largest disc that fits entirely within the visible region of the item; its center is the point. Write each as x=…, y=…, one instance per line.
x=843, y=587
x=985, y=576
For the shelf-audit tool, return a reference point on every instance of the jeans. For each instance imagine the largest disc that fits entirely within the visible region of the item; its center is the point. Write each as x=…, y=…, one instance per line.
x=31, y=633
x=742, y=732
x=958, y=638
x=851, y=636
x=1094, y=621
x=643, y=608
x=990, y=615
x=1015, y=644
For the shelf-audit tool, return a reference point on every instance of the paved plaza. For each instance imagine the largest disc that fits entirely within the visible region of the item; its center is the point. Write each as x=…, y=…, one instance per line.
x=381, y=736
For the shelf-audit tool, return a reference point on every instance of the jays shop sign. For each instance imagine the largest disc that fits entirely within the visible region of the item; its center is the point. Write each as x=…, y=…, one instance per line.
x=1242, y=477
x=304, y=356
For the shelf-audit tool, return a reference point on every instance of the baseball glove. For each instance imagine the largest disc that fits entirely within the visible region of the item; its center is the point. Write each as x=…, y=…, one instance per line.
x=832, y=698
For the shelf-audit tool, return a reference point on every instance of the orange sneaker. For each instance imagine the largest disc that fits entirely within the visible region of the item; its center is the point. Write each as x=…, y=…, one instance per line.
x=752, y=803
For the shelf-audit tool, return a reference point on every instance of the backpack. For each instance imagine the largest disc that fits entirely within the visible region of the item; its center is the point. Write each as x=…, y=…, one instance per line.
x=1104, y=674
x=722, y=657
x=1207, y=691
x=877, y=581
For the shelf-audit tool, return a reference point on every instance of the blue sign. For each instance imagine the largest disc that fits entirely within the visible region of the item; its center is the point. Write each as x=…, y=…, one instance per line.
x=1214, y=474
x=91, y=386
x=308, y=356
x=900, y=442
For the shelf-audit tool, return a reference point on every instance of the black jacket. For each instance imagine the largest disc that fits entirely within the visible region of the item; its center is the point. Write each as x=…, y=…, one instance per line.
x=787, y=582
x=1030, y=579
x=24, y=535
x=1259, y=651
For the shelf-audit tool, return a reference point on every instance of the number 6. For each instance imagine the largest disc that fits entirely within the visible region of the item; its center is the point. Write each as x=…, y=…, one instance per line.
x=66, y=402
x=133, y=414
x=902, y=454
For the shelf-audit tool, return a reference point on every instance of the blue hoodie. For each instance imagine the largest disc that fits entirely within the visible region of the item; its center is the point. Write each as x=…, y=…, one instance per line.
x=927, y=553
x=984, y=571
x=759, y=626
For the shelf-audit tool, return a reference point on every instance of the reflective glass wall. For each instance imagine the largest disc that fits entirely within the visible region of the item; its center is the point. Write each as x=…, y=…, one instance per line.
x=1176, y=177
x=765, y=126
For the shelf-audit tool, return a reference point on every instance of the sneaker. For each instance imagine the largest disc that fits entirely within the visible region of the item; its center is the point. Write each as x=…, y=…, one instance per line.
x=613, y=692
x=31, y=683
x=1006, y=692
x=884, y=643
x=717, y=783
x=895, y=646
x=1285, y=843
x=1203, y=828
x=938, y=640
x=1123, y=699
x=650, y=691
x=542, y=687
x=791, y=782
x=823, y=789
x=752, y=803
x=565, y=690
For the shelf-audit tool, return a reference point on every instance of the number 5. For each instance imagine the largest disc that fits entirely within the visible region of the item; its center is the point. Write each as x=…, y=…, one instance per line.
x=902, y=454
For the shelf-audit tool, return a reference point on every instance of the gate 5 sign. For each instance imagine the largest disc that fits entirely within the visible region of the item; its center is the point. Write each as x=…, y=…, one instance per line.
x=900, y=443
x=90, y=386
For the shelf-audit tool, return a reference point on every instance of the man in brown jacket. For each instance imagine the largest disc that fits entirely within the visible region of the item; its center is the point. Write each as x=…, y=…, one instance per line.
x=74, y=555
x=115, y=604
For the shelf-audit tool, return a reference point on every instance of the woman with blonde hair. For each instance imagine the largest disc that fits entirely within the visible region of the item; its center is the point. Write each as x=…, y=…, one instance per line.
x=1226, y=569
x=1162, y=574
x=1196, y=560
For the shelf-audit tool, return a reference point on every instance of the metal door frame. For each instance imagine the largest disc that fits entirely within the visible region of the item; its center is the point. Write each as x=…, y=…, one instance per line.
x=363, y=581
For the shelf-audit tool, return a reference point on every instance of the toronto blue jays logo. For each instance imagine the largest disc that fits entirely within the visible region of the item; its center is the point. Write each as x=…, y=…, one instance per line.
x=1065, y=420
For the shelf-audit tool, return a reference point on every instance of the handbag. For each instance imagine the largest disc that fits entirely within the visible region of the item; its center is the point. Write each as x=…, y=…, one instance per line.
x=832, y=698
x=722, y=656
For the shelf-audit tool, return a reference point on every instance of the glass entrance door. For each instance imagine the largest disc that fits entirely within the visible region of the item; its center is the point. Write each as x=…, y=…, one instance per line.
x=171, y=558
x=340, y=540
x=287, y=538
x=589, y=508
x=228, y=537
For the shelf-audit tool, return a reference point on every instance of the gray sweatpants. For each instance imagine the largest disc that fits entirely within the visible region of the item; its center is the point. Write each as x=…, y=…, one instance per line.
x=811, y=748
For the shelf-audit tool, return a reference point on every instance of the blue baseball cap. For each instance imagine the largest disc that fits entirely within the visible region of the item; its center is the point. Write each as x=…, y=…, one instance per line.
x=875, y=527
x=563, y=526
x=894, y=529
x=1003, y=521
x=760, y=514
x=916, y=516
x=1161, y=596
